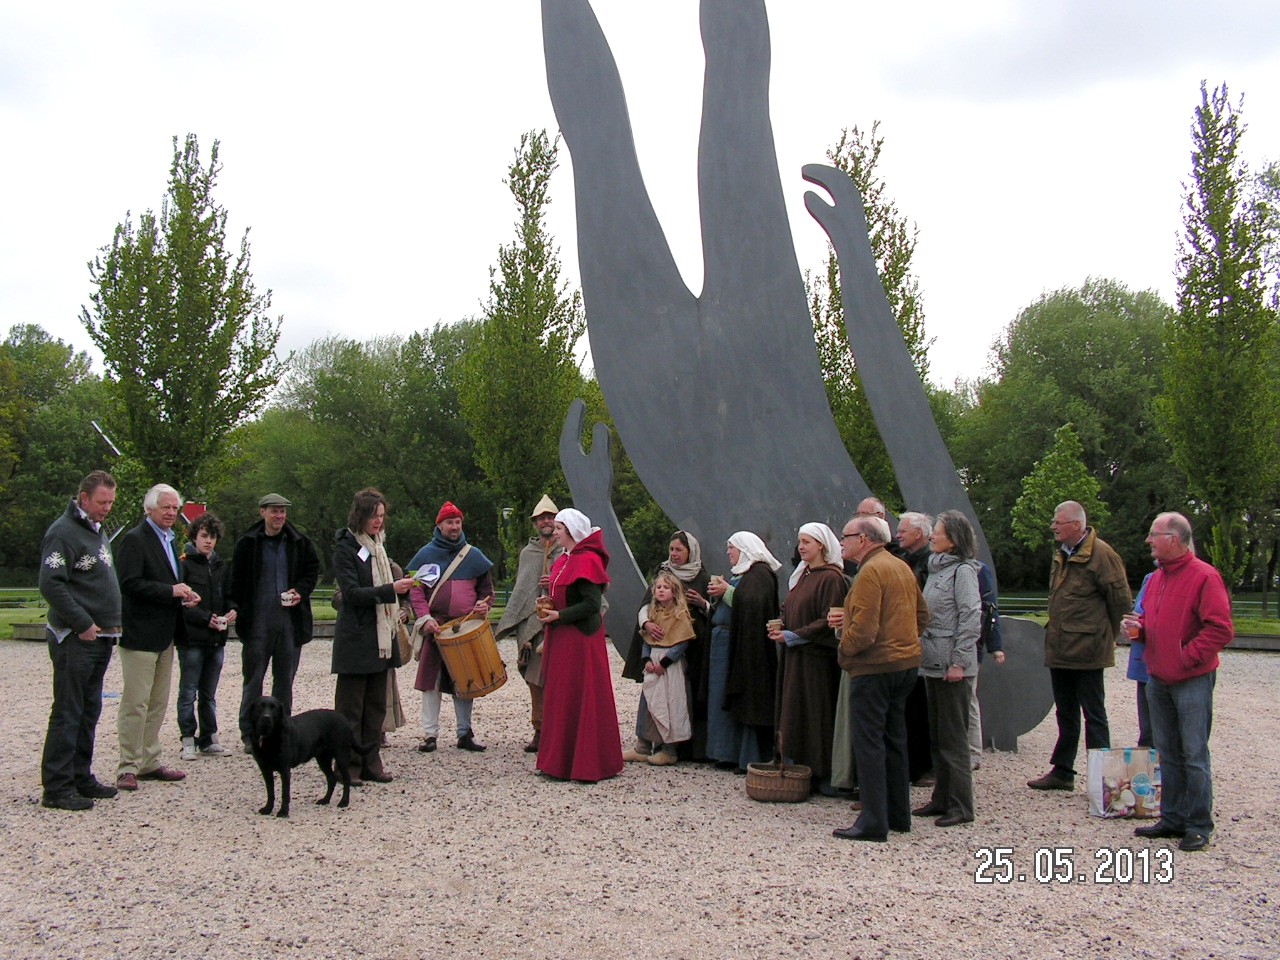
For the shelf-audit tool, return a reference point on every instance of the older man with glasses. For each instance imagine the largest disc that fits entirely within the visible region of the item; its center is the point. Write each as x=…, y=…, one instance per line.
x=1088, y=595
x=1185, y=622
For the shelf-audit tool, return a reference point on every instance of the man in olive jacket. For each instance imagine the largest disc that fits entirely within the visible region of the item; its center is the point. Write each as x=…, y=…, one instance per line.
x=879, y=628
x=1088, y=595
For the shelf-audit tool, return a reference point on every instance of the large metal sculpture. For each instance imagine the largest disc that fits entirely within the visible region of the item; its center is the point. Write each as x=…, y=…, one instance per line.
x=734, y=368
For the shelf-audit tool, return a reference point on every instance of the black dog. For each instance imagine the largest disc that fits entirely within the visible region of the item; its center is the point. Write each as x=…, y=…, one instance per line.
x=280, y=743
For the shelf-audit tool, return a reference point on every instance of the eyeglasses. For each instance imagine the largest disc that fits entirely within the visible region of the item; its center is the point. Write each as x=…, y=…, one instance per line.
x=1164, y=533
x=847, y=536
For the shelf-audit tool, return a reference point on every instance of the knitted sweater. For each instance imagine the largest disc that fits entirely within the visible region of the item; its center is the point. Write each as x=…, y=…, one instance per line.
x=78, y=576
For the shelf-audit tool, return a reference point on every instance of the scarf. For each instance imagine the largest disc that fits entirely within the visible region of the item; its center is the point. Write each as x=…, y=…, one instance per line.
x=830, y=549
x=388, y=613
x=693, y=566
x=751, y=549
x=676, y=624
x=430, y=563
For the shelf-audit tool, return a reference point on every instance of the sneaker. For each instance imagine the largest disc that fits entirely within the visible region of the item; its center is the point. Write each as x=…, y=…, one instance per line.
x=1053, y=781
x=67, y=800
x=189, y=751
x=635, y=756
x=215, y=750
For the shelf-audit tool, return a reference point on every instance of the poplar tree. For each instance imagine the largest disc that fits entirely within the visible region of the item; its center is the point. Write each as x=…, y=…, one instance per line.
x=186, y=340
x=520, y=374
x=1219, y=405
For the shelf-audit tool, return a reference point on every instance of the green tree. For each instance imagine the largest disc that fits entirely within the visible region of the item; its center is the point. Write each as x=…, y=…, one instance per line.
x=1091, y=357
x=382, y=413
x=520, y=374
x=1059, y=476
x=893, y=242
x=186, y=339
x=48, y=400
x=1219, y=405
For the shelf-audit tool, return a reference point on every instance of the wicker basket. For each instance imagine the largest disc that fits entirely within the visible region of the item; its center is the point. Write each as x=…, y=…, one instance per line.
x=778, y=782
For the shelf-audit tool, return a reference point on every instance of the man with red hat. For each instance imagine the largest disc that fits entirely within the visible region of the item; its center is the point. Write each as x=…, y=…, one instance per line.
x=453, y=578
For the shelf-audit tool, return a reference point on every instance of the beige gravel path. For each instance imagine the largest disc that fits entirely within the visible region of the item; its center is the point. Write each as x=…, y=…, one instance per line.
x=473, y=856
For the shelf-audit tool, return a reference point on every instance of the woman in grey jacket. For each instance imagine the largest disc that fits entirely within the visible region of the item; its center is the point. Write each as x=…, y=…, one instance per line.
x=950, y=647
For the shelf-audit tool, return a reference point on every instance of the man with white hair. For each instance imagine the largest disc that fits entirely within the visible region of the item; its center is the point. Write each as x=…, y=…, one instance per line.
x=153, y=596
x=913, y=550
x=913, y=543
x=1088, y=595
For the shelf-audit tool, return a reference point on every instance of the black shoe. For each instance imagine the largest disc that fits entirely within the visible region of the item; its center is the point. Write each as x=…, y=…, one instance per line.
x=928, y=810
x=1193, y=842
x=67, y=800
x=468, y=742
x=95, y=790
x=428, y=745
x=1158, y=831
x=853, y=833
x=1053, y=781
x=952, y=820
x=532, y=745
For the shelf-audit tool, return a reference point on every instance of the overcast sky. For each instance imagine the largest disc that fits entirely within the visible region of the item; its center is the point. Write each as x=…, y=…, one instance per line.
x=1035, y=144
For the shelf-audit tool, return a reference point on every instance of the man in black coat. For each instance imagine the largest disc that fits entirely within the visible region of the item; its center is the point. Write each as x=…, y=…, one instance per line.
x=153, y=595
x=273, y=571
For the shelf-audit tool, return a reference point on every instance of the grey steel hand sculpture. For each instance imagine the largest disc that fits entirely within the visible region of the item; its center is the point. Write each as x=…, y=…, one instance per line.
x=718, y=398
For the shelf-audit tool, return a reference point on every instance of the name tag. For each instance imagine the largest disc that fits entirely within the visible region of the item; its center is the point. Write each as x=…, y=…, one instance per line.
x=363, y=554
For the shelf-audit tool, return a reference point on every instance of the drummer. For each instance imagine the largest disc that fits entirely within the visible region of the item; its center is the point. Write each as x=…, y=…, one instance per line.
x=520, y=620
x=453, y=579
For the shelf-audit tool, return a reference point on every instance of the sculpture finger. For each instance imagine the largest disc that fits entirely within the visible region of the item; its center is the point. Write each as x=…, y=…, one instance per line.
x=926, y=475
x=746, y=237
x=590, y=477
x=625, y=238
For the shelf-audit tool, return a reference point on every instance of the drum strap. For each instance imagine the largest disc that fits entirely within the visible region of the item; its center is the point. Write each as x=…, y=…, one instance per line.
x=417, y=626
x=448, y=573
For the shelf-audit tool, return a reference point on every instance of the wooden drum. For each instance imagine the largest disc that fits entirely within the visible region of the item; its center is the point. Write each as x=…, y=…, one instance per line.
x=471, y=654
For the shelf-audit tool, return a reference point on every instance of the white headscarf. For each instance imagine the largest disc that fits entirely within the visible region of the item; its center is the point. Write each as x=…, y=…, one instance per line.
x=577, y=523
x=751, y=550
x=830, y=548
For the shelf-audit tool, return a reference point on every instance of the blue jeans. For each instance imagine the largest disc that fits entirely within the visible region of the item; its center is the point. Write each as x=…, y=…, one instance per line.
x=78, y=669
x=1181, y=716
x=201, y=667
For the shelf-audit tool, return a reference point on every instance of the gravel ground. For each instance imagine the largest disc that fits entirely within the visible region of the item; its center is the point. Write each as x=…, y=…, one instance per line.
x=475, y=855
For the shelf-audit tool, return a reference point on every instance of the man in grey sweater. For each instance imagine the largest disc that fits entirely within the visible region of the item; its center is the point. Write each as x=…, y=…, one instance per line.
x=78, y=581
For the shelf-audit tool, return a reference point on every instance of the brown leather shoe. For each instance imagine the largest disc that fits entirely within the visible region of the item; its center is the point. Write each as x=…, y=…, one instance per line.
x=532, y=745
x=164, y=774
x=1052, y=781
x=126, y=781
x=380, y=776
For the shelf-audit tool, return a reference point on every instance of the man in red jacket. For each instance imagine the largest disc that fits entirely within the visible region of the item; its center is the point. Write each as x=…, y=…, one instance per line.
x=1186, y=620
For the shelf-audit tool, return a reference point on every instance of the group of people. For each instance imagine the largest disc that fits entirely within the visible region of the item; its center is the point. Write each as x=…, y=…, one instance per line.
x=157, y=604
x=866, y=672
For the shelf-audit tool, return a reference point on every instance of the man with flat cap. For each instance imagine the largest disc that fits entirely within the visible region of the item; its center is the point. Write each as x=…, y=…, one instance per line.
x=273, y=571
x=453, y=578
x=520, y=618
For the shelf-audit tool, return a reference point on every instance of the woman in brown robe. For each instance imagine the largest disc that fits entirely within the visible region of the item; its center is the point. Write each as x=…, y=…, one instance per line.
x=810, y=683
